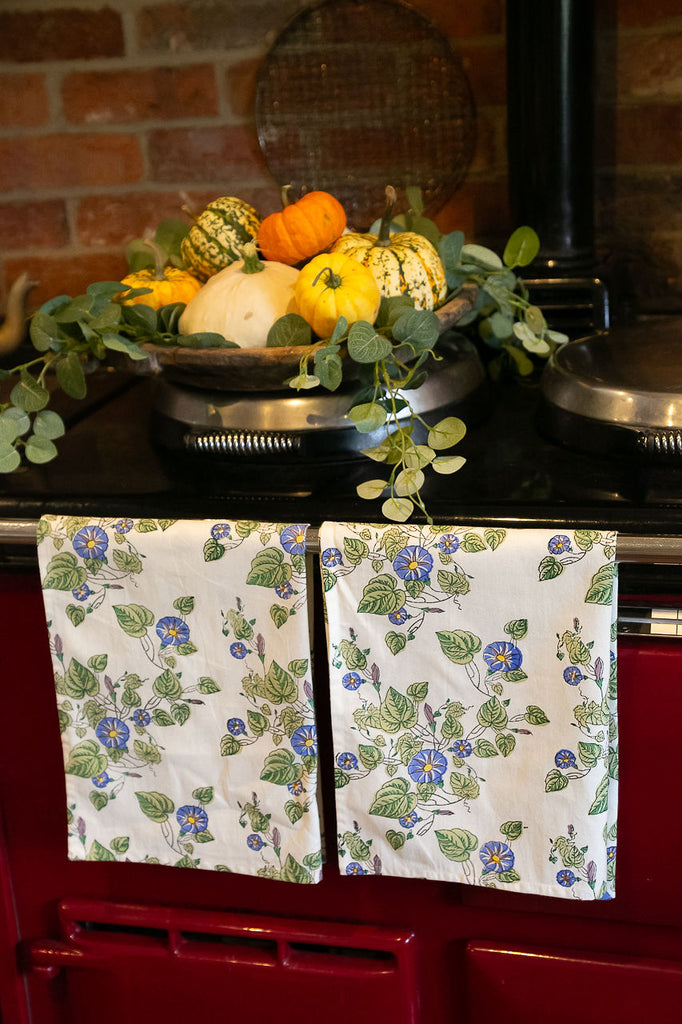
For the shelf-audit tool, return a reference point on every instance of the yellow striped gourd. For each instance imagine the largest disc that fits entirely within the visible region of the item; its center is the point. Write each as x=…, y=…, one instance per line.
x=218, y=235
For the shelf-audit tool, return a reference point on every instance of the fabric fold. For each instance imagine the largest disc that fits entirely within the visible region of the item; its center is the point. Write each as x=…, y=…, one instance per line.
x=473, y=700
x=182, y=665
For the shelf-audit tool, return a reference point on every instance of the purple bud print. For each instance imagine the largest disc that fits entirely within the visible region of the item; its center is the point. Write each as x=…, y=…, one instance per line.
x=375, y=673
x=376, y=864
x=260, y=645
x=308, y=690
x=81, y=826
x=599, y=668
x=58, y=645
x=108, y=683
x=276, y=838
x=570, y=830
x=429, y=714
x=591, y=871
x=133, y=775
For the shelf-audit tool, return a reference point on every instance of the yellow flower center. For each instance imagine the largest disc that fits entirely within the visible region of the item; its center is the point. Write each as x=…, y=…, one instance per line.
x=414, y=565
x=90, y=543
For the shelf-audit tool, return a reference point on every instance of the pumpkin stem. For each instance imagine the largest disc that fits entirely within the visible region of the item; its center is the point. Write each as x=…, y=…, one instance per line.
x=159, y=257
x=252, y=265
x=333, y=280
x=285, y=196
x=384, y=237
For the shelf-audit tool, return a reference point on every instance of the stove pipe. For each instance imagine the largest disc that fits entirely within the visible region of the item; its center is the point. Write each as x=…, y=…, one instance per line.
x=550, y=121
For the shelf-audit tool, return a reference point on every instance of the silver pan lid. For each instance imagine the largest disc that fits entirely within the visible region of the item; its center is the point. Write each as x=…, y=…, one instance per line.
x=629, y=377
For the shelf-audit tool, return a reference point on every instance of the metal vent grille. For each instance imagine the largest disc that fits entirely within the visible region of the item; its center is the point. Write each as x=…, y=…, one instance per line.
x=241, y=442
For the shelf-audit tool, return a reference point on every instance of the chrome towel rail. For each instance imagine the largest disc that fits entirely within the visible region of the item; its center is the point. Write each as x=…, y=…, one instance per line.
x=629, y=547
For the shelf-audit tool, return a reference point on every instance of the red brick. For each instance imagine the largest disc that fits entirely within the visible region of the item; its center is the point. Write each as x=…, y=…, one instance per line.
x=33, y=225
x=63, y=161
x=635, y=14
x=204, y=154
x=460, y=21
x=650, y=66
x=23, y=100
x=649, y=134
x=66, y=275
x=241, y=87
x=66, y=33
x=103, y=97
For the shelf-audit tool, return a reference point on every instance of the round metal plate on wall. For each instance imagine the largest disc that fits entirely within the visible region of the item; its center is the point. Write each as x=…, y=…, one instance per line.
x=355, y=95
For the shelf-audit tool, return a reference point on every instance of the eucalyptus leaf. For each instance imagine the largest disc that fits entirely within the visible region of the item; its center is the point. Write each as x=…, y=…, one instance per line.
x=481, y=256
x=365, y=345
x=340, y=330
x=446, y=464
x=446, y=433
x=398, y=510
x=523, y=364
x=40, y=450
x=48, y=424
x=13, y=424
x=10, y=459
x=44, y=332
x=534, y=319
x=371, y=489
x=408, y=482
x=28, y=394
x=367, y=417
x=328, y=367
x=290, y=329
x=169, y=316
x=139, y=256
x=141, y=317
x=105, y=289
x=304, y=382
x=117, y=343
x=70, y=375
x=419, y=328
x=522, y=248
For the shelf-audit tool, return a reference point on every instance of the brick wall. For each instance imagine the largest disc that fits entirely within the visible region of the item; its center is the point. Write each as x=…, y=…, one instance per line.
x=116, y=113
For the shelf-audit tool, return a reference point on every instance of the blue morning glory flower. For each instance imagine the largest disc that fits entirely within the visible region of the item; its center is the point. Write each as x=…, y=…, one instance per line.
x=330, y=557
x=82, y=592
x=352, y=680
x=191, y=818
x=296, y=788
x=501, y=656
x=254, y=841
x=413, y=563
x=559, y=544
x=573, y=675
x=566, y=877
x=101, y=780
x=408, y=820
x=399, y=616
x=564, y=759
x=90, y=542
x=496, y=857
x=124, y=525
x=220, y=531
x=610, y=853
x=292, y=539
x=172, y=631
x=141, y=717
x=112, y=732
x=355, y=869
x=284, y=590
x=427, y=766
x=448, y=543
x=304, y=741
x=238, y=650
x=235, y=726
x=462, y=748
x=347, y=761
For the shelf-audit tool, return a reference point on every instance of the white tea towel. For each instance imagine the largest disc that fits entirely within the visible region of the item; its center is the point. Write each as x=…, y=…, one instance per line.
x=182, y=668
x=473, y=697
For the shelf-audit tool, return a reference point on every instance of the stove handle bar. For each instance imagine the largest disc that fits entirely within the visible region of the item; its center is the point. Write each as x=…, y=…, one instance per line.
x=645, y=550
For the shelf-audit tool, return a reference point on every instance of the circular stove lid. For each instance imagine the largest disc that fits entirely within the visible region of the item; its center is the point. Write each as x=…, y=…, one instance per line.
x=629, y=377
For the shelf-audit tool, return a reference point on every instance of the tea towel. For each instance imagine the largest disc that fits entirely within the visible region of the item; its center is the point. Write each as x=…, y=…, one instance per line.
x=182, y=668
x=473, y=697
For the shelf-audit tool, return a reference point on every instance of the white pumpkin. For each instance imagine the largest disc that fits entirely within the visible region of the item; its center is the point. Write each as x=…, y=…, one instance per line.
x=243, y=301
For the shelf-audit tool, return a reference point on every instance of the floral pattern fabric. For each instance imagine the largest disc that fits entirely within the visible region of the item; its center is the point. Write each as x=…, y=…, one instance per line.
x=473, y=697
x=182, y=668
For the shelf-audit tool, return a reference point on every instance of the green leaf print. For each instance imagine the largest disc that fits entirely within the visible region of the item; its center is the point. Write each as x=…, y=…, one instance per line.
x=407, y=746
x=459, y=645
x=590, y=753
x=395, y=839
x=293, y=811
x=162, y=718
x=146, y=526
x=452, y=582
x=127, y=561
x=79, y=681
x=298, y=667
x=134, y=619
x=393, y=541
x=555, y=781
x=268, y=569
x=180, y=713
x=148, y=752
x=185, y=605
x=280, y=768
x=258, y=723
x=98, y=800
x=517, y=629
x=357, y=847
x=340, y=778
x=76, y=614
x=64, y=573
x=393, y=799
x=600, y=804
x=86, y=760
x=380, y=596
x=354, y=550
x=494, y=537
x=370, y=756
x=451, y=728
x=313, y=861
x=279, y=686
x=167, y=685
x=492, y=714
x=600, y=590
x=571, y=856
x=156, y=806
x=203, y=795
x=208, y=685
x=229, y=745
x=464, y=786
x=472, y=542
x=352, y=656
x=99, y=852
x=456, y=843
x=535, y=715
x=279, y=614
x=549, y=568
x=290, y=719
x=213, y=550
x=396, y=642
x=586, y=539
x=120, y=844
x=505, y=742
x=292, y=871
x=484, y=748
x=98, y=662
x=368, y=717
x=418, y=691
x=397, y=712
x=511, y=830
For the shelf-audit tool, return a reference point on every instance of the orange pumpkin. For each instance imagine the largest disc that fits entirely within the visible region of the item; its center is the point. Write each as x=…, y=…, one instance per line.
x=302, y=229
